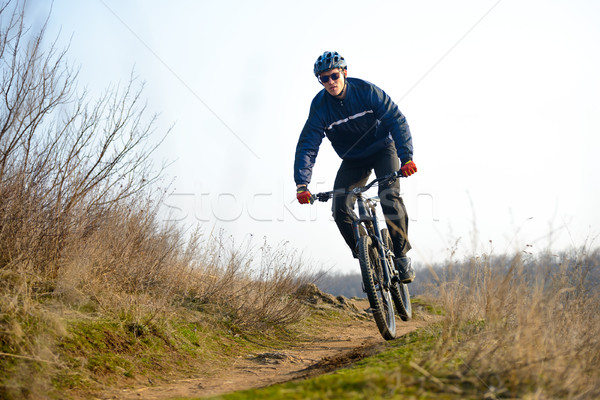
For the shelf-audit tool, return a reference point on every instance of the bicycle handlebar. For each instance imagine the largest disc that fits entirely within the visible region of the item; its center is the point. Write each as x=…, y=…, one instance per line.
x=325, y=196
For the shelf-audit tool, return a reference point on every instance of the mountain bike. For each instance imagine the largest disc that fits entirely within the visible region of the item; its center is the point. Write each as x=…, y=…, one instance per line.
x=379, y=276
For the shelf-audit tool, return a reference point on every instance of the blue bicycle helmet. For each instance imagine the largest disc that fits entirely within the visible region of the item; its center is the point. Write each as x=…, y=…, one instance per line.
x=327, y=61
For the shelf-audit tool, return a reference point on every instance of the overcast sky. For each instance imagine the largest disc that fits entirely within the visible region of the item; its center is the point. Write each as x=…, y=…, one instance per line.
x=502, y=97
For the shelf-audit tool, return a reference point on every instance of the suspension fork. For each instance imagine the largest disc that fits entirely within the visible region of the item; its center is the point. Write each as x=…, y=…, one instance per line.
x=368, y=217
x=387, y=279
x=363, y=217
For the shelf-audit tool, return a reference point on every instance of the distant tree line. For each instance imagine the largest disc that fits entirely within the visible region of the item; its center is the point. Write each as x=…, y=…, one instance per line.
x=580, y=267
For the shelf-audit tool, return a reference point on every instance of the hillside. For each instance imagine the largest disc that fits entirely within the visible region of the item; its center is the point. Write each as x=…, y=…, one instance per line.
x=335, y=334
x=96, y=287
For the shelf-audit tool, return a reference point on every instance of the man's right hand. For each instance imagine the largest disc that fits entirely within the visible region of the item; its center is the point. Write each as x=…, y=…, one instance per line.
x=303, y=195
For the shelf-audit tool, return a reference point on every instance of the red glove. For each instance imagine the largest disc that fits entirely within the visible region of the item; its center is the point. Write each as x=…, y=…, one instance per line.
x=303, y=195
x=408, y=168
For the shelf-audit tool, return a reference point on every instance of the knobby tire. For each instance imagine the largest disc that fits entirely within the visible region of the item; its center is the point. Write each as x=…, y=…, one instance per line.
x=380, y=299
x=399, y=290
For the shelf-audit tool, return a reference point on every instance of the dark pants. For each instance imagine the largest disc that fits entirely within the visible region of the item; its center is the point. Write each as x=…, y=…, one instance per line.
x=353, y=173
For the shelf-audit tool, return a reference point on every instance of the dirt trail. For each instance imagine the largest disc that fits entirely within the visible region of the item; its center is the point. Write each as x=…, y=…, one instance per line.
x=329, y=349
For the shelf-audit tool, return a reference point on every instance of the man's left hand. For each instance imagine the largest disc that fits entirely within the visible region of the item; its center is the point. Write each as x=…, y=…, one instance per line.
x=409, y=168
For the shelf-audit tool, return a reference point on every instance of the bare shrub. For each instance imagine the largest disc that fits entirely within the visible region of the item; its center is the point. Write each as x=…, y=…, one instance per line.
x=64, y=162
x=79, y=217
x=252, y=286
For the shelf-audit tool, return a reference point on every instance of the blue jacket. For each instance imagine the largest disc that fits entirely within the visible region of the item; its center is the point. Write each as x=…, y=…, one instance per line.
x=364, y=122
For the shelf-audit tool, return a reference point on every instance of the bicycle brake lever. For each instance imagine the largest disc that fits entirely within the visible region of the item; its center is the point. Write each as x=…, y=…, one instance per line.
x=396, y=175
x=323, y=196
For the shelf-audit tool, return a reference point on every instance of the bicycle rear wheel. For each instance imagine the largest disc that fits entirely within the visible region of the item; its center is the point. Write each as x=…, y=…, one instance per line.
x=399, y=290
x=379, y=297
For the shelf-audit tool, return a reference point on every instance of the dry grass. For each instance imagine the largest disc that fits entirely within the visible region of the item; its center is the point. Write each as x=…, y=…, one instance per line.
x=121, y=261
x=522, y=327
x=80, y=226
x=254, y=286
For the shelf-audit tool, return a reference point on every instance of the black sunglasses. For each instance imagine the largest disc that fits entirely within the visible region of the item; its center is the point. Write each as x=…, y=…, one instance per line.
x=324, y=79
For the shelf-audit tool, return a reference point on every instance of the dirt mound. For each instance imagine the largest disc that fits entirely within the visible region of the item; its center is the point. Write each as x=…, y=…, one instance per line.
x=311, y=294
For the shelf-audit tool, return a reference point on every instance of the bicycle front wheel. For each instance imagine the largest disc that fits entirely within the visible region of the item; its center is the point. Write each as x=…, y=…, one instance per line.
x=379, y=297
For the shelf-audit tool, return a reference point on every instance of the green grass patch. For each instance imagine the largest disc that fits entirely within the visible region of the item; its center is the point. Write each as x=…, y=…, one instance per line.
x=429, y=306
x=115, y=352
x=393, y=373
x=404, y=371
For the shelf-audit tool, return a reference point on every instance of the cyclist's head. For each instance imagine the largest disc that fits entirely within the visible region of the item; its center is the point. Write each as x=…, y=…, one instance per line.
x=331, y=70
x=329, y=60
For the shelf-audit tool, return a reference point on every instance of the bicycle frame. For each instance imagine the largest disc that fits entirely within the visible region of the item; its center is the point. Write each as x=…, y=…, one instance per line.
x=367, y=215
x=384, y=289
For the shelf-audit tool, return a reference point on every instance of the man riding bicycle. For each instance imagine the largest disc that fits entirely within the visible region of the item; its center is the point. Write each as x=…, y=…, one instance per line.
x=368, y=131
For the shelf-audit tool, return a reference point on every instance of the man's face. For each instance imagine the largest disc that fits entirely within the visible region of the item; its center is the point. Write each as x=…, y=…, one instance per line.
x=333, y=86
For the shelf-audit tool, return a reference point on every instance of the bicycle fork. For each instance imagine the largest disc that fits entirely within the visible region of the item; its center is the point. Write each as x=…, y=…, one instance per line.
x=369, y=218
